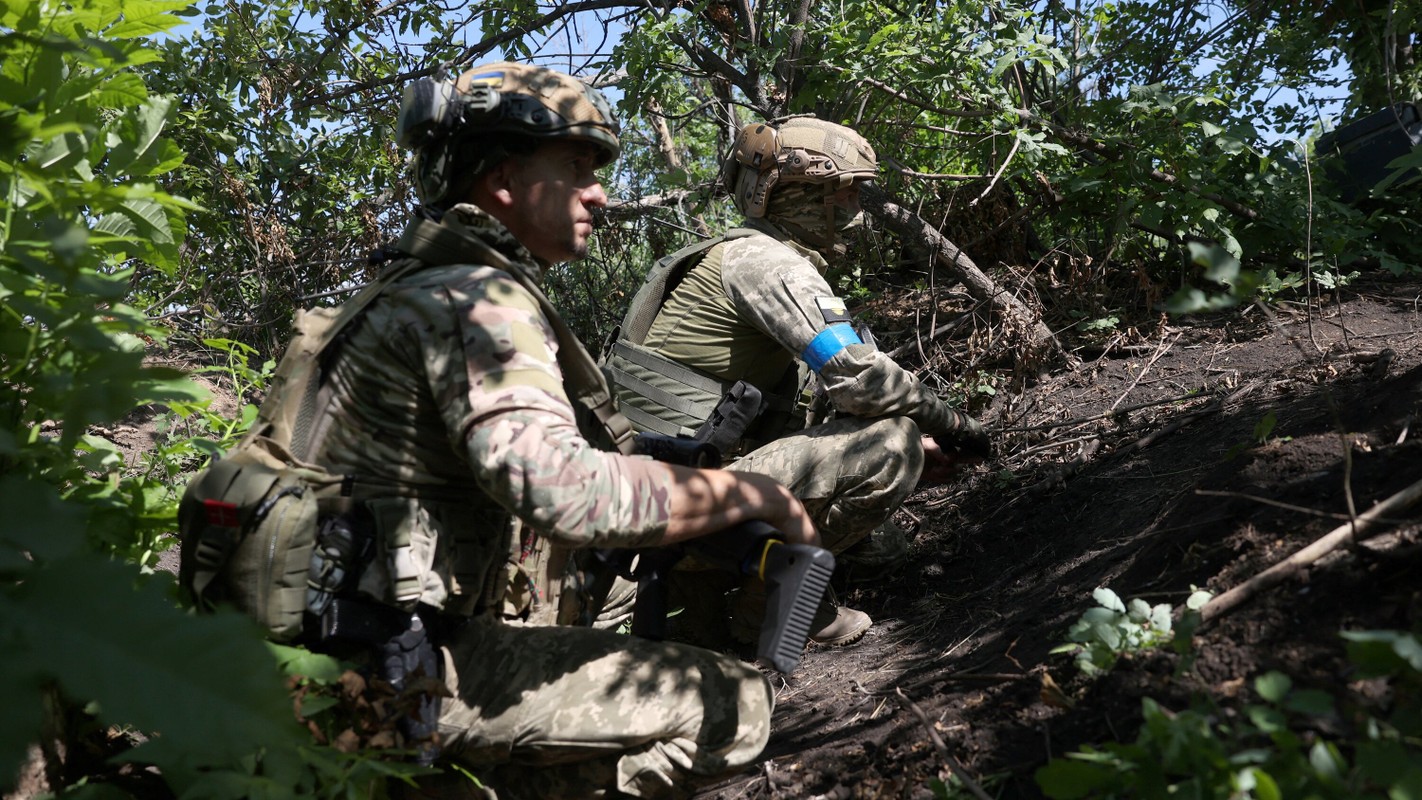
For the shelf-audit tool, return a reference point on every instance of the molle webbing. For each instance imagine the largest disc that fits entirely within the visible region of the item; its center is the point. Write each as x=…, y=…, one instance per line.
x=438, y=245
x=293, y=414
x=657, y=393
x=643, y=377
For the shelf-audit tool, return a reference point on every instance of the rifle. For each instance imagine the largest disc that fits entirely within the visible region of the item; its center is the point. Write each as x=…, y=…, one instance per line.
x=795, y=575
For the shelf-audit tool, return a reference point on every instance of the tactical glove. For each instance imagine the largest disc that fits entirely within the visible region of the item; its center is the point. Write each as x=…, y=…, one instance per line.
x=965, y=435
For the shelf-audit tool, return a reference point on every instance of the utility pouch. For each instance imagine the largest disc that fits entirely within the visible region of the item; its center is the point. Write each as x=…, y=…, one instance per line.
x=732, y=417
x=247, y=523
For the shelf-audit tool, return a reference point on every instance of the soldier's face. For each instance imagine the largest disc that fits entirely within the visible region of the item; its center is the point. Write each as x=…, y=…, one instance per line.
x=847, y=199
x=552, y=195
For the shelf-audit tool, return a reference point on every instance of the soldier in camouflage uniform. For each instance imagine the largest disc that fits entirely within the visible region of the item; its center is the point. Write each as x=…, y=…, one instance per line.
x=746, y=306
x=454, y=385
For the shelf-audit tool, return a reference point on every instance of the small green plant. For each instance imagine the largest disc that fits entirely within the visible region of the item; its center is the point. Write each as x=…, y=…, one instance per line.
x=1270, y=750
x=1262, y=431
x=1101, y=325
x=1104, y=633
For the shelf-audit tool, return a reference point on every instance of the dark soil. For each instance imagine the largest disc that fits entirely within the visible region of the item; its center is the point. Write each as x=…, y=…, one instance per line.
x=1196, y=491
x=1094, y=488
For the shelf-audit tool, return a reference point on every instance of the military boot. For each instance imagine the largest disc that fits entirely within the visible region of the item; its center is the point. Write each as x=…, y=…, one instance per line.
x=834, y=625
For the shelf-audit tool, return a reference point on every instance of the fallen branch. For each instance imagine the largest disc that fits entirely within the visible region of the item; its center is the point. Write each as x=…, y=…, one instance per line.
x=920, y=235
x=952, y=762
x=1351, y=531
x=1067, y=423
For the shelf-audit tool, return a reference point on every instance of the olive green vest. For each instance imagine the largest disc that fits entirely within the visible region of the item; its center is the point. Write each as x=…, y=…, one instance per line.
x=664, y=394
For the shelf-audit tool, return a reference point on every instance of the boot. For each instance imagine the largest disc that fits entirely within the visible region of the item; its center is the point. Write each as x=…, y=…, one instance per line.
x=834, y=625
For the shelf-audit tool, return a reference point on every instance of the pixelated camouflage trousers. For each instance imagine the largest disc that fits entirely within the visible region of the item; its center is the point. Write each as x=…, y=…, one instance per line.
x=851, y=474
x=563, y=712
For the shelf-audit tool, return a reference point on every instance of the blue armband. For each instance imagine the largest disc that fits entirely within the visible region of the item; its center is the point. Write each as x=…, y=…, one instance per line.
x=827, y=344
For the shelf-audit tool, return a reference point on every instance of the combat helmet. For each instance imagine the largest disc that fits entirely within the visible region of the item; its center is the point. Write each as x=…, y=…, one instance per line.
x=453, y=126
x=801, y=150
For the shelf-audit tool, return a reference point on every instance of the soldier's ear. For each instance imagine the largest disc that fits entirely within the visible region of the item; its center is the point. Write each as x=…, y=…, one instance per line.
x=496, y=190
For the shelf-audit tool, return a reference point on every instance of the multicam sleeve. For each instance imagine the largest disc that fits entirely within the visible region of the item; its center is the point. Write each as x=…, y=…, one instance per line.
x=783, y=294
x=503, y=397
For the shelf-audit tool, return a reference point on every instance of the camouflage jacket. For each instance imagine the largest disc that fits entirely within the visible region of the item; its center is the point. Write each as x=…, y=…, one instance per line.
x=756, y=303
x=449, y=384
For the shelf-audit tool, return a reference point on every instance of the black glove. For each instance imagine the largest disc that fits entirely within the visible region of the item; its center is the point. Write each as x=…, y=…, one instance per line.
x=965, y=435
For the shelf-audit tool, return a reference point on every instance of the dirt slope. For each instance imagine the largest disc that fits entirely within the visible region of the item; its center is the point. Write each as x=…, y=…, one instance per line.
x=1147, y=502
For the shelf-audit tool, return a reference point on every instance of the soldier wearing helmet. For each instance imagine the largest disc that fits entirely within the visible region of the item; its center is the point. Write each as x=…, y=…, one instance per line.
x=726, y=335
x=456, y=388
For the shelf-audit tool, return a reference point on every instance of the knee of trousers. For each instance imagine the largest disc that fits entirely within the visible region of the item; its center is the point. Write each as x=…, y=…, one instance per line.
x=894, y=455
x=755, y=703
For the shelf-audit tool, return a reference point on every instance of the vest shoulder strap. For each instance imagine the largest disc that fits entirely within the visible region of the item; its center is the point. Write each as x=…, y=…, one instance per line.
x=291, y=414
x=439, y=245
x=662, y=279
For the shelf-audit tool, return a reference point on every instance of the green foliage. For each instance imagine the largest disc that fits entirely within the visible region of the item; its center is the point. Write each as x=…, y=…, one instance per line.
x=81, y=625
x=1113, y=628
x=1262, y=431
x=1271, y=749
x=198, y=189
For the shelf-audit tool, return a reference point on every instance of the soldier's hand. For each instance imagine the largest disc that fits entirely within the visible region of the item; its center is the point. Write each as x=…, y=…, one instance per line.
x=966, y=438
x=939, y=465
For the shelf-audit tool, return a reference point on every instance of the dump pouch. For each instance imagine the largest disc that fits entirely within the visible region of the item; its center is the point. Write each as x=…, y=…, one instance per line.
x=247, y=523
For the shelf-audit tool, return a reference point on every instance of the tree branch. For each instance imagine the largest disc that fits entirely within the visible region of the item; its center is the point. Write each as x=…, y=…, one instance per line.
x=481, y=48
x=915, y=231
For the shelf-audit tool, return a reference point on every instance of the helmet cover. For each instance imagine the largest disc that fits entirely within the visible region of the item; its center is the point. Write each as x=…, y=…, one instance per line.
x=443, y=121
x=801, y=150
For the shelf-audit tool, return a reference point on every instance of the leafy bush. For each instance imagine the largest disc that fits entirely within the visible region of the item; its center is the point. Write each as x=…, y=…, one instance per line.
x=1272, y=749
x=80, y=625
x=1112, y=628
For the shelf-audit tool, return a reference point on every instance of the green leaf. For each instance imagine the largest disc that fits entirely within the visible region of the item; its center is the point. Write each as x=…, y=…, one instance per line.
x=1265, y=426
x=1273, y=686
x=1382, y=653
x=37, y=521
x=300, y=661
x=1310, y=701
x=1327, y=762
x=207, y=684
x=1264, y=787
x=1160, y=618
x=1197, y=600
x=20, y=686
x=1138, y=610
x=147, y=17
x=1409, y=787
x=123, y=90
x=141, y=129
x=1384, y=762
x=1220, y=265
x=153, y=218
x=1066, y=779
x=1108, y=599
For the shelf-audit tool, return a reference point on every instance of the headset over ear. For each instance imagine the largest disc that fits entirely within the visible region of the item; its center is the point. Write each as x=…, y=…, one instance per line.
x=752, y=168
x=431, y=109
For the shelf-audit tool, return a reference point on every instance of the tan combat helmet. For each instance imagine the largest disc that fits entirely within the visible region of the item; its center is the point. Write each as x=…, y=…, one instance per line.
x=801, y=150
x=450, y=125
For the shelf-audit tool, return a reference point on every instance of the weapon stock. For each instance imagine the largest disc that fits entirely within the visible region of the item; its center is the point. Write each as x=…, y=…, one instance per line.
x=795, y=575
